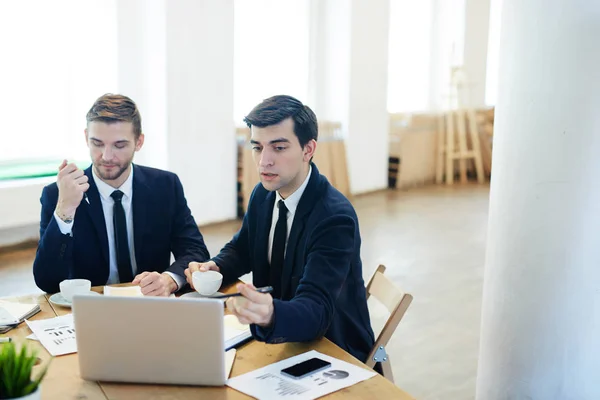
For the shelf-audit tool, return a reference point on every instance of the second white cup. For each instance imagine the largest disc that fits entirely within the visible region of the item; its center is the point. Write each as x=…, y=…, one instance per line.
x=207, y=283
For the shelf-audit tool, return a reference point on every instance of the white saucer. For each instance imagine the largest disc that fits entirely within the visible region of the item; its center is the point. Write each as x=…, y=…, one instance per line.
x=196, y=295
x=59, y=300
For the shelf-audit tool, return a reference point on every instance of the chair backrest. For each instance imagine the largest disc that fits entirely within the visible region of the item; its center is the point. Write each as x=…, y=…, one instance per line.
x=397, y=302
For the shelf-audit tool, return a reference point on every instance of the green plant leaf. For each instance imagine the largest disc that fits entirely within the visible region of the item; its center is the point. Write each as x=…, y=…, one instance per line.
x=16, y=369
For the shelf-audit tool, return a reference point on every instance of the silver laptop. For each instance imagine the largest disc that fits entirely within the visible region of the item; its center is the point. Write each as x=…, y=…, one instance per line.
x=150, y=340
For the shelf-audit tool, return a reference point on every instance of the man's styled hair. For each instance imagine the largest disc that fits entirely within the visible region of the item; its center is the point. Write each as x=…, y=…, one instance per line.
x=111, y=108
x=277, y=108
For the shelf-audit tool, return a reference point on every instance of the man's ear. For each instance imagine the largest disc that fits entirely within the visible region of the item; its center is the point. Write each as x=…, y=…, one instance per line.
x=309, y=150
x=139, y=142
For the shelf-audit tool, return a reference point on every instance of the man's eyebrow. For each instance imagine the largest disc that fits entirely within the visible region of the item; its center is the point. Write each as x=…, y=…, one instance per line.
x=274, y=141
x=117, y=142
x=279, y=140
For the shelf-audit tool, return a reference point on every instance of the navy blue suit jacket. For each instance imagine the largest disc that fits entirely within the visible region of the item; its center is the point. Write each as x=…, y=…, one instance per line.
x=162, y=223
x=323, y=292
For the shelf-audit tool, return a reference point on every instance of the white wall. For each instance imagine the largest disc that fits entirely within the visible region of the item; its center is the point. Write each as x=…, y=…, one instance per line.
x=20, y=204
x=20, y=210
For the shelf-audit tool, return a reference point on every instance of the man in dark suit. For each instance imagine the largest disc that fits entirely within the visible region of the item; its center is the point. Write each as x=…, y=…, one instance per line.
x=299, y=235
x=116, y=220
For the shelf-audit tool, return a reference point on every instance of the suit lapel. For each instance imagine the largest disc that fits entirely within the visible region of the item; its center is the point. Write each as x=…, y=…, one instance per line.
x=94, y=210
x=141, y=194
x=306, y=204
x=265, y=217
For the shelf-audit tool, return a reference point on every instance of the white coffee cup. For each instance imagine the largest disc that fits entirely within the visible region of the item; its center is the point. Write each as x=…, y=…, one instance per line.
x=71, y=287
x=207, y=283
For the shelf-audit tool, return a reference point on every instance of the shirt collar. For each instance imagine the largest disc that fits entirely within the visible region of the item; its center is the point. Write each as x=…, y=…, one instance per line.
x=106, y=190
x=292, y=201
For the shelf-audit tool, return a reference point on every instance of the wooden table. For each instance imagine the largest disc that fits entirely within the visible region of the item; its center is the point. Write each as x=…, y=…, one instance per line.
x=63, y=382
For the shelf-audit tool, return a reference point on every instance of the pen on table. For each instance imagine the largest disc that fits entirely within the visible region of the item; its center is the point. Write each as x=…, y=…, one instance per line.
x=5, y=339
x=266, y=289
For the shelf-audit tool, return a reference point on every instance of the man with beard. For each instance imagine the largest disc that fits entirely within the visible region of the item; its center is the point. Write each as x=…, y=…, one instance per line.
x=116, y=222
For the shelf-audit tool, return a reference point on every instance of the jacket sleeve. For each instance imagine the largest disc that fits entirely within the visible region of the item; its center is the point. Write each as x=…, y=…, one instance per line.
x=308, y=314
x=54, y=258
x=187, y=243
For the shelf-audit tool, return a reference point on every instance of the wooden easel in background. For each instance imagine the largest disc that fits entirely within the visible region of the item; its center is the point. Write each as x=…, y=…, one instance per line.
x=453, y=143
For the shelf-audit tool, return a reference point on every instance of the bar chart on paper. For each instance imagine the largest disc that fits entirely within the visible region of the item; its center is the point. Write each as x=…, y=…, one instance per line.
x=57, y=335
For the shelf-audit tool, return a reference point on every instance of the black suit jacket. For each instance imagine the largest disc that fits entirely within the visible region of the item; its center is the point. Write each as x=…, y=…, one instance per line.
x=323, y=292
x=162, y=223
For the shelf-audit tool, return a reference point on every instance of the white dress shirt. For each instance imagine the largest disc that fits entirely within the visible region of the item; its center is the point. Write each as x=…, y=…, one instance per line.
x=108, y=203
x=292, y=204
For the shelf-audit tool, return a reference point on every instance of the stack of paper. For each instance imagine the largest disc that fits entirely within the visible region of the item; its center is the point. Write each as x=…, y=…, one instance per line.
x=235, y=333
x=127, y=291
x=12, y=314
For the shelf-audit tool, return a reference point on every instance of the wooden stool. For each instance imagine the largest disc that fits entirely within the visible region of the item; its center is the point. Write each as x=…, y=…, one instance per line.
x=452, y=132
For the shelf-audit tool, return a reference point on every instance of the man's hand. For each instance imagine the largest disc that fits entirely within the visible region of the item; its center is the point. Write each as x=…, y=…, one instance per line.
x=72, y=184
x=155, y=284
x=253, y=307
x=203, y=267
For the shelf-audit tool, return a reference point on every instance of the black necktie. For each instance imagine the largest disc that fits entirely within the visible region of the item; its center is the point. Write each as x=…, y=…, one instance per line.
x=121, y=244
x=278, y=251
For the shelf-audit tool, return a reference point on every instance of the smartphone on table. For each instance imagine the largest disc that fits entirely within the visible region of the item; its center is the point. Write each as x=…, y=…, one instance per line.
x=305, y=368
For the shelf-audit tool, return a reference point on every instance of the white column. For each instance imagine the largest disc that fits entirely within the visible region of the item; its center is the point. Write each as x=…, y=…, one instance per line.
x=142, y=72
x=540, y=325
x=477, y=25
x=368, y=119
x=202, y=147
x=351, y=74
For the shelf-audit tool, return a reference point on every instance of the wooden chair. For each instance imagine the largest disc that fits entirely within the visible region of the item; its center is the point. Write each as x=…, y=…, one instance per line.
x=397, y=303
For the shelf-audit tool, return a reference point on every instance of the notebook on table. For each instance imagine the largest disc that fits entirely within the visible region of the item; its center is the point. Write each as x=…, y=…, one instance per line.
x=235, y=333
x=12, y=314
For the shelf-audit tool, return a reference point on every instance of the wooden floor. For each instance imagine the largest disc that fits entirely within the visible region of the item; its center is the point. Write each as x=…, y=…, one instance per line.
x=433, y=242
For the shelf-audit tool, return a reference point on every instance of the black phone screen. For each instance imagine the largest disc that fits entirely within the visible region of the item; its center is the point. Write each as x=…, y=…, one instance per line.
x=306, y=367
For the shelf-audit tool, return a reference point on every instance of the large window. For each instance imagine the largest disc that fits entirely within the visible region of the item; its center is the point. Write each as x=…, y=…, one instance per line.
x=271, y=51
x=409, y=55
x=57, y=58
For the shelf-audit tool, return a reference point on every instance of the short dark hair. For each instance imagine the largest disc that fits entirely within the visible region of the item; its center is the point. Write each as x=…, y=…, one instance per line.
x=278, y=108
x=111, y=108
